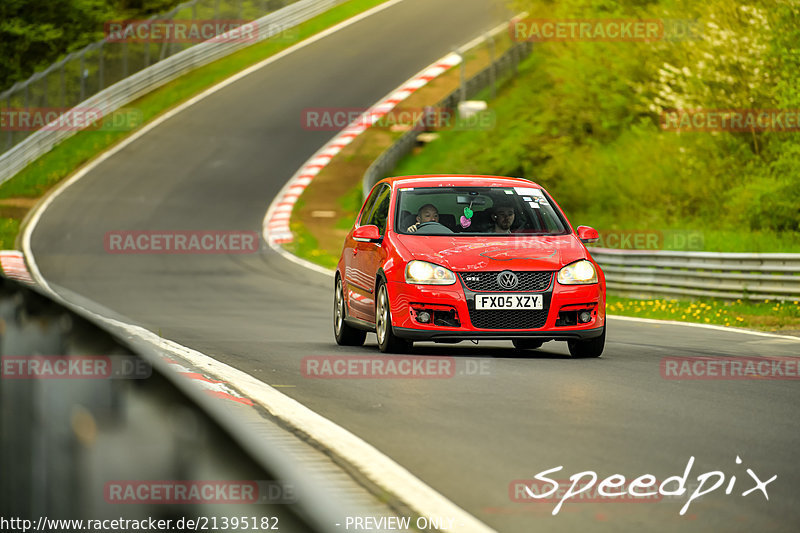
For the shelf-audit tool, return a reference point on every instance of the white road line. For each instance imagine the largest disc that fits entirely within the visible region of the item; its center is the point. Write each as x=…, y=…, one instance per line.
x=706, y=326
x=372, y=463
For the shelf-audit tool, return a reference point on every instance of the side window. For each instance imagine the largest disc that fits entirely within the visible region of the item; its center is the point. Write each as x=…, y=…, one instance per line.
x=380, y=214
x=368, y=205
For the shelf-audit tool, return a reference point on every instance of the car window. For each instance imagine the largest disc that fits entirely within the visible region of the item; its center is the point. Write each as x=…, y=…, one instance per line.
x=380, y=213
x=476, y=211
x=369, y=204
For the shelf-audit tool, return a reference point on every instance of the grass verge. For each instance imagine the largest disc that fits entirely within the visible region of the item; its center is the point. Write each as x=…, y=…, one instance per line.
x=764, y=315
x=466, y=152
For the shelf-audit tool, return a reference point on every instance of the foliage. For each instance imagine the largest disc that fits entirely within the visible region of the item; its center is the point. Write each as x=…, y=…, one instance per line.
x=584, y=119
x=36, y=33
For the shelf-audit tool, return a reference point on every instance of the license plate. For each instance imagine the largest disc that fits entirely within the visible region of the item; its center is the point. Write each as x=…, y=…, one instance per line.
x=508, y=301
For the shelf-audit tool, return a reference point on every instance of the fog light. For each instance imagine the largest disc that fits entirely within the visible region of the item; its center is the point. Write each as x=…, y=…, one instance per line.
x=585, y=316
x=424, y=317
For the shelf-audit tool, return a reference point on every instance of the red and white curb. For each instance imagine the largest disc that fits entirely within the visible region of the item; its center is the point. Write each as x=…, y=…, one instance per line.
x=276, y=222
x=212, y=387
x=13, y=264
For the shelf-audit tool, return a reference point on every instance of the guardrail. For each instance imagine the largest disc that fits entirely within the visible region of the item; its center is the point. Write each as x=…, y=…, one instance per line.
x=504, y=65
x=136, y=85
x=730, y=276
x=111, y=412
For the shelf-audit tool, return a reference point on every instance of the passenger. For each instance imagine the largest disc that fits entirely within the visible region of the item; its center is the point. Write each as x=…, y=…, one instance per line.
x=426, y=213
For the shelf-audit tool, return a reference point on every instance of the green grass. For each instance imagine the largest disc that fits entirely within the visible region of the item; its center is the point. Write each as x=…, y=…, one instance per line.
x=9, y=227
x=762, y=315
x=38, y=177
x=466, y=152
x=306, y=246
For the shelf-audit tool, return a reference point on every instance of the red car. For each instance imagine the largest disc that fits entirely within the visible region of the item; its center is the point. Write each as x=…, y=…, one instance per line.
x=452, y=258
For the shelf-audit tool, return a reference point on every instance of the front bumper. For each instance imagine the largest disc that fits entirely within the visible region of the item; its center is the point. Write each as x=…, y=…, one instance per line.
x=407, y=298
x=444, y=335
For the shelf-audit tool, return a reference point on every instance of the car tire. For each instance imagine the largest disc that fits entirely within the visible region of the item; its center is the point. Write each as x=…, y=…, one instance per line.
x=345, y=335
x=527, y=344
x=388, y=342
x=588, y=348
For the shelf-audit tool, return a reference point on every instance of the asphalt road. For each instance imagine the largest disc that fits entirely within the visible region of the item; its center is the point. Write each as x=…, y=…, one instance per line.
x=219, y=164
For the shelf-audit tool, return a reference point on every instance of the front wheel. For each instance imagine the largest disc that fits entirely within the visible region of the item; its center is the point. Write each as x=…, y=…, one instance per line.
x=345, y=335
x=388, y=342
x=588, y=348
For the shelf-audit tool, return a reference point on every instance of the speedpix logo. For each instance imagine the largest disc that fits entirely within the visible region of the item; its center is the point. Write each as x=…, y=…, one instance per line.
x=647, y=486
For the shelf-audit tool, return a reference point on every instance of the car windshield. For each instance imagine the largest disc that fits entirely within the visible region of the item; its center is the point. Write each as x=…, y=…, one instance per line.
x=476, y=211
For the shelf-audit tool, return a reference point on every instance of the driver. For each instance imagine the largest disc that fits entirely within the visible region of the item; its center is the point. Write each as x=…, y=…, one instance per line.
x=502, y=218
x=426, y=213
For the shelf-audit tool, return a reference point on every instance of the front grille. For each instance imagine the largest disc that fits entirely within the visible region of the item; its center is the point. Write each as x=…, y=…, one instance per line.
x=500, y=319
x=534, y=280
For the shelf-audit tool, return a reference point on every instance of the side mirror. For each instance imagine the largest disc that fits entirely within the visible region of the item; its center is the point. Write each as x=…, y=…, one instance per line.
x=368, y=233
x=587, y=234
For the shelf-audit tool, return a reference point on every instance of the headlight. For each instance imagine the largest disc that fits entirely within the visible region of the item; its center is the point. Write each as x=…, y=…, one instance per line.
x=424, y=273
x=578, y=273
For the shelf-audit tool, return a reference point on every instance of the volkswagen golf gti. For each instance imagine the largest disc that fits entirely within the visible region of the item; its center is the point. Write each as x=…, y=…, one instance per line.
x=453, y=258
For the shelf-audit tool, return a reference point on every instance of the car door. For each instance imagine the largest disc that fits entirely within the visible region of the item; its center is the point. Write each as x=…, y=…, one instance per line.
x=352, y=279
x=367, y=257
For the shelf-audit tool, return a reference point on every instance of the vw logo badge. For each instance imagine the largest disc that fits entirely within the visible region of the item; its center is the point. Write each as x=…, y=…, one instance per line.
x=507, y=280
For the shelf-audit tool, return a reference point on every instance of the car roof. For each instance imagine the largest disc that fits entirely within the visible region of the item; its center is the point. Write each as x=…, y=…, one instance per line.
x=458, y=180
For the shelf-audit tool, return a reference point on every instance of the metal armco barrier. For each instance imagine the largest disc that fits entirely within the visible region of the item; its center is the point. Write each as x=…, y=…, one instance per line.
x=729, y=276
x=136, y=85
x=63, y=440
